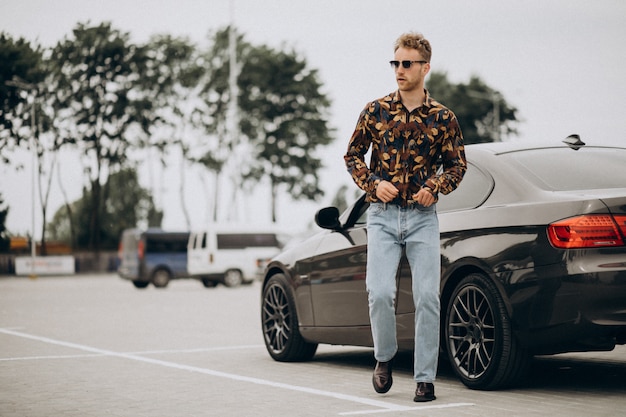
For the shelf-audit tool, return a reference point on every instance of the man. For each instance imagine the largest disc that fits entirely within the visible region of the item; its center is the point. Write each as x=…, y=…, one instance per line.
x=411, y=136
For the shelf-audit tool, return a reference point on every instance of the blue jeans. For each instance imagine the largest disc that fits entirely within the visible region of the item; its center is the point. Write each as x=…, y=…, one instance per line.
x=391, y=228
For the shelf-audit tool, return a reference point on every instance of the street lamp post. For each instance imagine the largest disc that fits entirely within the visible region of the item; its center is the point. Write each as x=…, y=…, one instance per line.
x=22, y=85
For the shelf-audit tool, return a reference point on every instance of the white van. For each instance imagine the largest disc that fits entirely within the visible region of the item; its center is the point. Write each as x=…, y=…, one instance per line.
x=230, y=256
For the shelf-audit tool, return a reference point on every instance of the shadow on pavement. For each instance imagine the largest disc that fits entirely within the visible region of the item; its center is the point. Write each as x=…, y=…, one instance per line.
x=580, y=372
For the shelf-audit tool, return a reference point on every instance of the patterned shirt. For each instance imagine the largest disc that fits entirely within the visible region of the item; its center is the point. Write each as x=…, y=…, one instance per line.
x=407, y=148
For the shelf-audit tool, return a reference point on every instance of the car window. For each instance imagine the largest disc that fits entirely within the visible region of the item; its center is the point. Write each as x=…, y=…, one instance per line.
x=563, y=169
x=471, y=193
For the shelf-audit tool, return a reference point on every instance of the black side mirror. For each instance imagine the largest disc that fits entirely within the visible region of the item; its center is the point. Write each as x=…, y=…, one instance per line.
x=328, y=218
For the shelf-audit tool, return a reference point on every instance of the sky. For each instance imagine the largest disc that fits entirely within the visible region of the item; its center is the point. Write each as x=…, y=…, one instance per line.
x=561, y=63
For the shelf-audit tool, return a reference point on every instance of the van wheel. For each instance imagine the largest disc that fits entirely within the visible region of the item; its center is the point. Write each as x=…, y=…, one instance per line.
x=233, y=278
x=161, y=278
x=140, y=284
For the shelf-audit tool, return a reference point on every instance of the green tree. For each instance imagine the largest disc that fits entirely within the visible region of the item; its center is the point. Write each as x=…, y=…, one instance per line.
x=483, y=113
x=283, y=118
x=20, y=74
x=212, y=116
x=286, y=121
x=127, y=205
x=339, y=200
x=51, y=137
x=28, y=113
x=170, y=80
x=98, y=72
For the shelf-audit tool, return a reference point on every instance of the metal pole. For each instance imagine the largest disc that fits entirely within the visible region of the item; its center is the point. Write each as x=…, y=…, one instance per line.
x=33, y=246
x=233, y=118
x=18, y=83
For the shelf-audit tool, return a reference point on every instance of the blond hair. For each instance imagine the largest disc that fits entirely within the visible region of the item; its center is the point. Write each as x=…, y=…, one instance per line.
x=415, y=41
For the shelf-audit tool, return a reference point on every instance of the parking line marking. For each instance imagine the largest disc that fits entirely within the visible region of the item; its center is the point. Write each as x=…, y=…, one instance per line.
x=351, y=398
x=407, y=408
x=145, y=352
x=35, y=358
x=196, y=350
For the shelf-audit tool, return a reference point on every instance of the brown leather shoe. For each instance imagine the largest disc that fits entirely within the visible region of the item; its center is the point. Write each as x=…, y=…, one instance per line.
x=382, y=379
x=425, y=392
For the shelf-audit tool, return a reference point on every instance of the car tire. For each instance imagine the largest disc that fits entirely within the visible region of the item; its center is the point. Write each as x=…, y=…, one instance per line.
x=140, y=284
x=233, y=278
x=279, y=319
x=160, y=278
x=479, y=339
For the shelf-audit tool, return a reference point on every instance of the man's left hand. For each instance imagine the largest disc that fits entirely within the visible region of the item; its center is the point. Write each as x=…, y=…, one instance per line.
x=424, y=197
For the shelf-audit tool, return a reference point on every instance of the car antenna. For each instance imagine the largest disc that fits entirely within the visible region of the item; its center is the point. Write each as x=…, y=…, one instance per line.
x=574, y=142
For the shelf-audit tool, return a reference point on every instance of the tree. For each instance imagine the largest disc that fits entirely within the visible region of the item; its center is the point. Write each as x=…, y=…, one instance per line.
x=5, y=239
x=170, y=81
x=20, y=73
x=221, y=146
x=483, y=113
x=128, y=205
x=286, y=121
x=98, y=72
x=50, y=139
x=339, y=200
x=283, y=118
x=27, y=115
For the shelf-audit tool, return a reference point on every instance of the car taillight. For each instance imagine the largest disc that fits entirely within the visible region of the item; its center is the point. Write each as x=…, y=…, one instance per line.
x=140, y=249
x=621, y=223
x=588, y=231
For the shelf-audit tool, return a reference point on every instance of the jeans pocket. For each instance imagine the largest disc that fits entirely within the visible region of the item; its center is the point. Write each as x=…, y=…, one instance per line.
x=375, y=208
x=424, y=209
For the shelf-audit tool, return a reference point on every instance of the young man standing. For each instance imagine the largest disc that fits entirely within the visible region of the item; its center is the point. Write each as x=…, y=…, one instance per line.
x=410, y=136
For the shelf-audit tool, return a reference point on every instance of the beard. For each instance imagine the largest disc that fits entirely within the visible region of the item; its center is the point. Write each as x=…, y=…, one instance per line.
x=410, y=85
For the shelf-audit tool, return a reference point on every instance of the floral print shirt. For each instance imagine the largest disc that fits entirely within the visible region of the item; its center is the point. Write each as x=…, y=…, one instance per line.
x=407, y=148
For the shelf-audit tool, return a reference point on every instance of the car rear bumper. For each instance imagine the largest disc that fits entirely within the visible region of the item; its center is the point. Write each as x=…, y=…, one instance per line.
x=571, y=307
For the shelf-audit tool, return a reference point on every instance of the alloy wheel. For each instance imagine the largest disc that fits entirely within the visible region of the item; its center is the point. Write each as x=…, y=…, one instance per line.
x=276, y=318
x=471, y=332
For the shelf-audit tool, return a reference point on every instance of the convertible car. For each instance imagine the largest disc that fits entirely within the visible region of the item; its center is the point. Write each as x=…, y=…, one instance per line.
x=533, y=255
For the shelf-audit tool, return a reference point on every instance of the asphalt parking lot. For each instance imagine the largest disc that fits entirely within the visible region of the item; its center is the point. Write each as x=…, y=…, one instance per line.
x=97, y=346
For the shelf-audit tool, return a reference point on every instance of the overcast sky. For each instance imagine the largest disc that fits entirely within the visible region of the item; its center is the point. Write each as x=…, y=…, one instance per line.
x=561, y=63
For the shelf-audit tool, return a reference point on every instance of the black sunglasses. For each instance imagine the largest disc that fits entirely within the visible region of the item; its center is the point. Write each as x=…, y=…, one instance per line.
x=405, y=64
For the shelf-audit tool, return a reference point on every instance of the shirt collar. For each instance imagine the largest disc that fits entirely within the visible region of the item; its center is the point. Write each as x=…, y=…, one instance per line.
x=395, y=98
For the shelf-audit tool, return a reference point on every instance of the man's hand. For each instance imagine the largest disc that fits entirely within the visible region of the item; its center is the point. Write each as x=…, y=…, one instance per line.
x=424, y=197
x=386, y=191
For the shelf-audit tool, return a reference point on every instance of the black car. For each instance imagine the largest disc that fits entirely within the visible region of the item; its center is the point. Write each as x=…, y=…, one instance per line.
x=533, y=261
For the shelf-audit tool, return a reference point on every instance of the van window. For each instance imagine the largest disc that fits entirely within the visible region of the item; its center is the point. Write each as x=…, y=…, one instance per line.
x=143, y=253
x=247, y=240
x=198, y=241
x=167, y=243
